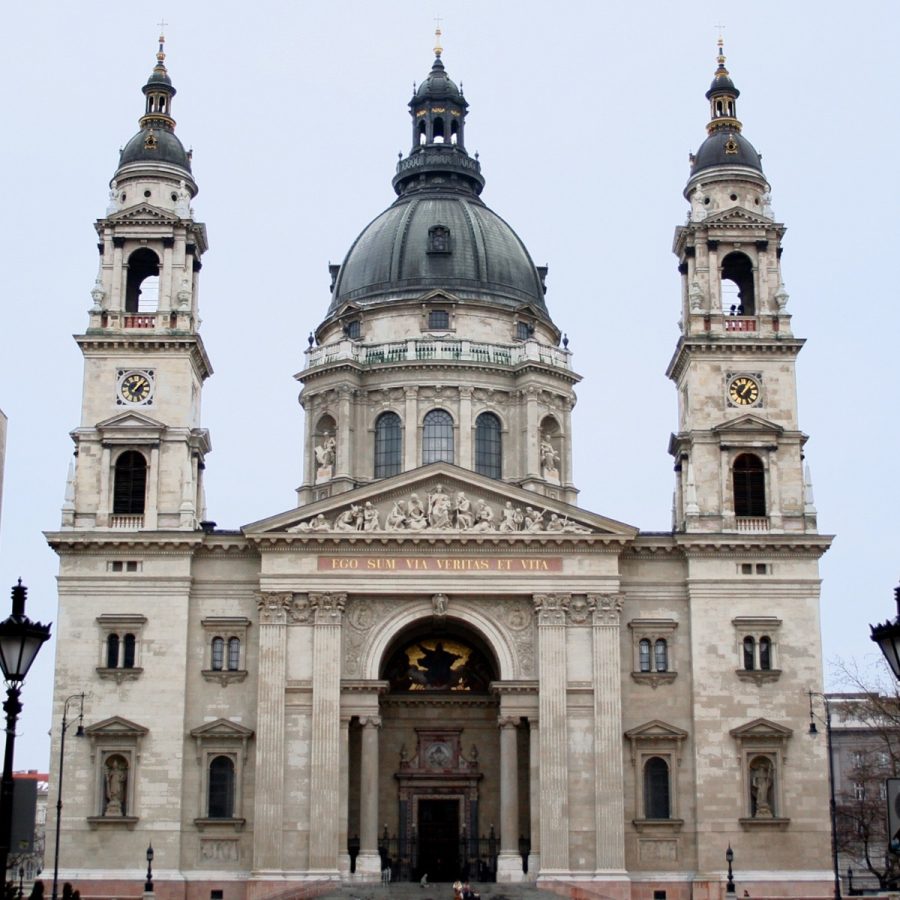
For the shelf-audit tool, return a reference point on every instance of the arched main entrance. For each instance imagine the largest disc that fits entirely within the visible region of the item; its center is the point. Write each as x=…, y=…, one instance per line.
x=438, y=780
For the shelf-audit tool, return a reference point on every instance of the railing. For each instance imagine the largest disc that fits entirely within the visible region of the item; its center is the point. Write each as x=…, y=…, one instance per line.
x=739, y=323
x=138, y=321
x=752, y=524
x=126, y=523
x=416, y=349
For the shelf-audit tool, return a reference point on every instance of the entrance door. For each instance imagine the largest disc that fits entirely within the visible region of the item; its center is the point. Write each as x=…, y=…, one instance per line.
x=439, y=839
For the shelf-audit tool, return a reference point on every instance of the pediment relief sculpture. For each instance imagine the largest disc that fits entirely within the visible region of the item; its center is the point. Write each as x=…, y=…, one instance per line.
x=447, y=510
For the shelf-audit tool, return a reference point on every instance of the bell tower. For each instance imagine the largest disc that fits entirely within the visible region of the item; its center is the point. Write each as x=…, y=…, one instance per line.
x=139, y=447
x=739, y=451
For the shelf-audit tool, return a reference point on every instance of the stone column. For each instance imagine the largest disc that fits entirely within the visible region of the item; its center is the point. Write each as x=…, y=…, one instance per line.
x=368, y=862
x=151, y=510
x=343, y=853
x=509, y=863
x=411, y=429
x=464, y=458
x=532, y=437
x=325, y=744
x=342, y=462
x=107, y=476
x=609, y=778
x=775, y=506
x=268, y=806
x=554, y=774
x=534, y=761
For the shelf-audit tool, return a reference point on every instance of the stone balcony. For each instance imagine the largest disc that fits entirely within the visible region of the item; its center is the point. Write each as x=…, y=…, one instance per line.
x=438, y=349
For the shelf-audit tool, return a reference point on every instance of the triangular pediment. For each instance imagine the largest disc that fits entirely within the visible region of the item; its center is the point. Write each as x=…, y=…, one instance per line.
x=116, y=726
x=736, y=216
x=446, y=500
x=656, y=730
x=143, y=213
x=130, y=419
x=761, y=729
x=438, y=296
x=222, y=729
x=749, y=424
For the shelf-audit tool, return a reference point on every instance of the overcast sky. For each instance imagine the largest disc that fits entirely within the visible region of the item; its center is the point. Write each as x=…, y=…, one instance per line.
x=583, y=114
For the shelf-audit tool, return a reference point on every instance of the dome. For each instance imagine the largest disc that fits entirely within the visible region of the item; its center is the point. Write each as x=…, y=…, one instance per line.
x=437, y=85
x=438, y=240
x=726, y=147
x=168, y=149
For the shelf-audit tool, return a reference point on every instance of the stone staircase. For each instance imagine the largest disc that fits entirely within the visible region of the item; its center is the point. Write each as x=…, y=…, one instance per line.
x=413, y=891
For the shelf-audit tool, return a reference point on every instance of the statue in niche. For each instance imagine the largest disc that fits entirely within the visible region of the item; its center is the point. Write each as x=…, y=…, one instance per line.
x=698, y=208
x=439, y=604
x=761, y=783
x=115, y=781
x=326, y=454
x=549, y=460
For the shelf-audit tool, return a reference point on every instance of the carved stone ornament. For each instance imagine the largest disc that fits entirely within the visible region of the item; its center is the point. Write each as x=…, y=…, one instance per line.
x=439, y=604
x=326, y=453
x=608, y=608
x=551, y=608
x=273, y=607
x=328, y=608
x=445, y=511
x=580, y=609
x=301, y=610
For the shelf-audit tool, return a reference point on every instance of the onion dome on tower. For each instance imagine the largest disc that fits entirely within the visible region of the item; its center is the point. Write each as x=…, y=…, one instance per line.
x=725, y=146
x=438, y=234
x=156, y=146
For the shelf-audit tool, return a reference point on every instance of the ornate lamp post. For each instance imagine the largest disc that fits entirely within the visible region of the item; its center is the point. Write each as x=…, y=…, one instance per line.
x=832, y=805
x=148, y=885
x=729, y=858
x=887, y=636
x=79, y=732
x=20, y=641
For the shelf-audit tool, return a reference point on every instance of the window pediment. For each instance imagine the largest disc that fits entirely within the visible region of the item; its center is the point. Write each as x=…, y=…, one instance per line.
x=115, y=726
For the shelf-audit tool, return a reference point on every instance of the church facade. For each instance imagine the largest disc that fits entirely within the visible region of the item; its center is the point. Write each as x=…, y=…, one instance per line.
x=436, y=662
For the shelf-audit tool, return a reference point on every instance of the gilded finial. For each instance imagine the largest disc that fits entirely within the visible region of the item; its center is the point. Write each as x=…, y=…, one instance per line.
x=720, y=44
x=438, y=49
x=161, y=54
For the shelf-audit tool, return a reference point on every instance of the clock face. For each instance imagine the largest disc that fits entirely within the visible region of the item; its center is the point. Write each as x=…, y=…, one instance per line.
x=135, y=387
x=743, y=391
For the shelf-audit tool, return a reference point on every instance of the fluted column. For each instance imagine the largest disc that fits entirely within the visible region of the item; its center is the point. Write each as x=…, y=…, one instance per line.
x=325, y=744
x=343, y=853
x=532, y=433
x=609, y=779
x=509, y=863
x=343, y=454
x=554, y=797
x=534, y=760
x=368, y=861
x=107, y=476
x=466, y=425
x=268, y=807
x=410, y=429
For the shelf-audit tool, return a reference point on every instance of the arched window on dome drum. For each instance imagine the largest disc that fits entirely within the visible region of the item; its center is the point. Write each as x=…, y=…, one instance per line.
x=221, y=788
x=749, y=481
x=488, y=446
x=454, y=131
x=130, y=485
x=388, y=445
x=423, y=137
x=738, y=296
x=656, y=789
x=437, y=437
x=142, y=287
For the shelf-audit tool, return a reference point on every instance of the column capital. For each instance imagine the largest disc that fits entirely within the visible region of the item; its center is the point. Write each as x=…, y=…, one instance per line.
x=608, y=608
x=370, y=721
x=551, y=609
x=273, y=607
x=328, y=608
x=410, y=393
x=504, y=722
x=466, y=392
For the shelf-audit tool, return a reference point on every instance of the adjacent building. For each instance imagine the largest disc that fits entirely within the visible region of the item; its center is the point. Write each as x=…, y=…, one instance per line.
x=436, y=660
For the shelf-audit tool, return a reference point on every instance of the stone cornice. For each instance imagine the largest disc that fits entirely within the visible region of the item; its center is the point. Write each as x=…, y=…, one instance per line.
x=362, y=542
x=149, y=543
x=122, y=342
x=712, y=344
x=791, y=545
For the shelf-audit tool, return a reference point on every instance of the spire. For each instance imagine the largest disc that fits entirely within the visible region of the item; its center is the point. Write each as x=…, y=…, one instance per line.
x=722, y=96
x=159, y=92
x=438, y=49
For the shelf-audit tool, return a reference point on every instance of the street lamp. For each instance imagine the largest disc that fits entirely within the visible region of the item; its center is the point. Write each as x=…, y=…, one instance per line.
x=20, y=641
x=79, y=732
x=148, y=886
x=729, y=858
x=887, y=636
x=832, y=804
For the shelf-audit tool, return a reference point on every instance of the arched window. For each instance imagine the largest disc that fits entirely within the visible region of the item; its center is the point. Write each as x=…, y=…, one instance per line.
x=234, y=654
x=749, y=486
x=142, y=287
x=656, y=789
x=388, y=445
x=437, y=437
x=130, y=484
x=749, y=654
x=221, y=788
x=422, y=137
x=661, y=655
x=437, y=131
x=488, y=446
x=454, y=131
x=128, y=652
x=765, y=652
x=217, y=658
x=738, y=295
x=112, y=651
x=644, y=655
